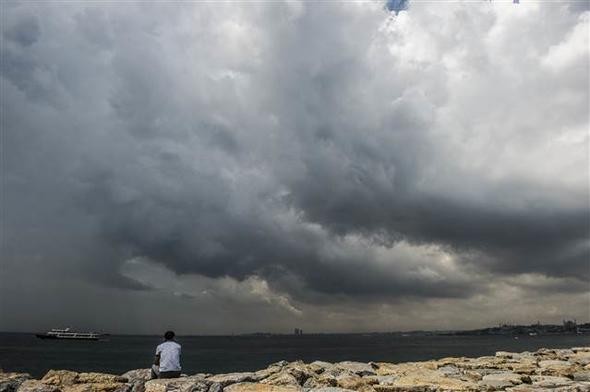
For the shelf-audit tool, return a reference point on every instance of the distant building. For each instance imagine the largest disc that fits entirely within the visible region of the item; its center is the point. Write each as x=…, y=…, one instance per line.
x=570, y=325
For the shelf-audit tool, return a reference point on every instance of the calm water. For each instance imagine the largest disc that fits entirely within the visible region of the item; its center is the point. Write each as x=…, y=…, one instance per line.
x=26, y=353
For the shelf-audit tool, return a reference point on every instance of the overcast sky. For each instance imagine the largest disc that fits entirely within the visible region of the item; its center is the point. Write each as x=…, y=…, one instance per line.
x=259, y=166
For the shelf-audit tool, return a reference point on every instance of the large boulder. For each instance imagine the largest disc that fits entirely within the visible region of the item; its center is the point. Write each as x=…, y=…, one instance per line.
x=486, y=362
x=550, y=382
x=352, y=382
x=330, y=378
x=508, y=354
x=526, y=388
x=137, y=378
x=69, y=381
x=137, y=375
x=393, y=369
x=313, y=383
x=295, y=373
x=98, y=387
x=339, y=378
x=387, y=369
x=502, y=380
x=452, y=361
x=382, y=380
x=319, y=367
x=99, y=378
x=182, y=384
x=281, y=378
x=524, y=366
x=359, y=368
x=37, y=386
x=233, y=378
x=426, y=379
x=582, y=376
x=557, y=368
x=580, y=357
x=330, y=389
x=257, y=387
x=60, y=377
x=450, y=371
x=269, y=371
x=300, y=371
x=9, y=382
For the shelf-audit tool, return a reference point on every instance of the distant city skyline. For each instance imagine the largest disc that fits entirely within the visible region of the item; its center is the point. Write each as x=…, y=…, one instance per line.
x=233, y=167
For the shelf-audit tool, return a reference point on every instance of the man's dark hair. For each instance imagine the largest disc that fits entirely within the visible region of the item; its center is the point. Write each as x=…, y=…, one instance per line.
x=169, y=335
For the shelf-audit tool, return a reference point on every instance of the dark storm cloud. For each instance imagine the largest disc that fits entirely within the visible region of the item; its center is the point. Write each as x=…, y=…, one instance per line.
x=24, y=32
x=321, y=150
x=579, y=6
x=197, y=234
x=536, y=239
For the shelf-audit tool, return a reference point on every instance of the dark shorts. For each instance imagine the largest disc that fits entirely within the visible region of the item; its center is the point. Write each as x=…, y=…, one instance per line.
x=157, y=374
x=175, y=374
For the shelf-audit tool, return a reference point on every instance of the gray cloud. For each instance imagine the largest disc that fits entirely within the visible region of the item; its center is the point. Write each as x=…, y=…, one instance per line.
x=312, y=155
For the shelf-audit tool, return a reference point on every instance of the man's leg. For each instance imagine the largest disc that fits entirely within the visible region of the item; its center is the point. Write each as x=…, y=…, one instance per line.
x=155, y=371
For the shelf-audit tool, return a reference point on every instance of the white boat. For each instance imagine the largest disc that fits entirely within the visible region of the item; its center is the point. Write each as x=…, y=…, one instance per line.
x=66, y=333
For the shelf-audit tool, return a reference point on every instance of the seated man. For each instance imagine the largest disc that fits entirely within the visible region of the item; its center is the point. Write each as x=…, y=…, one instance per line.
x=167, y=362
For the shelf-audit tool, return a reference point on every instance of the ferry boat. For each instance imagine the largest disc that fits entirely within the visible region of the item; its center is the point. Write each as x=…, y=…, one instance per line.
x=65, y=333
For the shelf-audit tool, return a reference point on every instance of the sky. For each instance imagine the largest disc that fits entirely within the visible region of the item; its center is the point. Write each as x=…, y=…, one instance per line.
x=343, y=166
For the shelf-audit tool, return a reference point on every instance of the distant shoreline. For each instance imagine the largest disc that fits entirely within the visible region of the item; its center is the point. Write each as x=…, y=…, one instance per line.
x=506, y=329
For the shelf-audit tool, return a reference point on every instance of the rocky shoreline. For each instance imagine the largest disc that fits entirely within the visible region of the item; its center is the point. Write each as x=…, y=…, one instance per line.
x=542, y=370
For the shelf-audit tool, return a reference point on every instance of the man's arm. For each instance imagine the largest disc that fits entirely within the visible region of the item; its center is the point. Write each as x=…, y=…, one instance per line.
x=157, y=357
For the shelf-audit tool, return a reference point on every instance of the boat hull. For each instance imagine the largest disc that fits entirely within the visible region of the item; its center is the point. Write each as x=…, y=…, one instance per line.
x=54, y=337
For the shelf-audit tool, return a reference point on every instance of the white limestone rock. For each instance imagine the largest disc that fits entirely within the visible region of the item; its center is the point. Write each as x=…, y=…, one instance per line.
x=359, y=368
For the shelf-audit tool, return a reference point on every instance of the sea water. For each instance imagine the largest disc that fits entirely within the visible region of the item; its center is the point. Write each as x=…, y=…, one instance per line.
x=223, y=354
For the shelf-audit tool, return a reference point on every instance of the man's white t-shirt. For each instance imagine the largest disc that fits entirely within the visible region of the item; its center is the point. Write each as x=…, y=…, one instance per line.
x=169, y=356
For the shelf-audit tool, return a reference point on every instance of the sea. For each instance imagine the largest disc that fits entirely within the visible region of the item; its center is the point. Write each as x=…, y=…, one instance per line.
x=223, y=354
